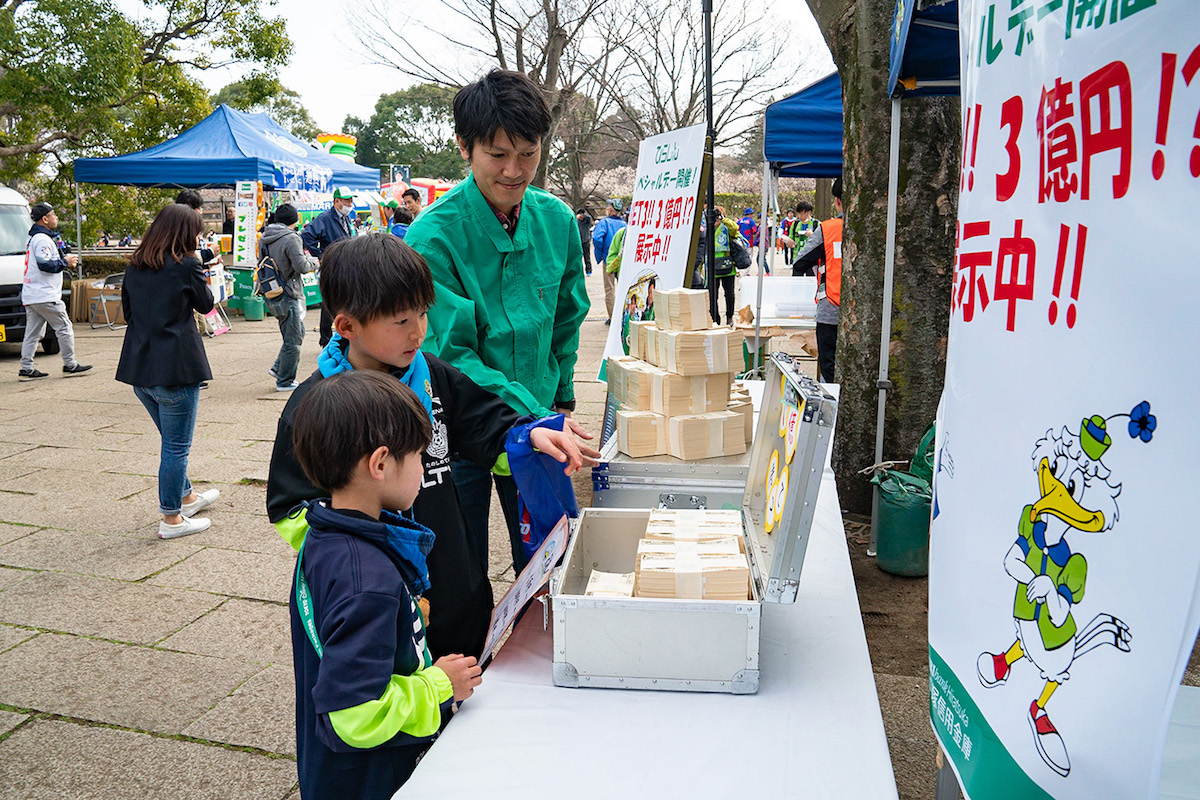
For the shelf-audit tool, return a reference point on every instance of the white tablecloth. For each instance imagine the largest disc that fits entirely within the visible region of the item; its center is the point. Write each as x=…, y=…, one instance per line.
x=814, y=729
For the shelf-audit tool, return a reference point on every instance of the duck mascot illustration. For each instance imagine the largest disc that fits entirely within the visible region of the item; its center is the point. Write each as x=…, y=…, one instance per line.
x=1077, y=495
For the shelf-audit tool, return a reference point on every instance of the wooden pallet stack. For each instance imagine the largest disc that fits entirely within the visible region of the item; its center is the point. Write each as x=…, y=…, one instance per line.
x=674, y=387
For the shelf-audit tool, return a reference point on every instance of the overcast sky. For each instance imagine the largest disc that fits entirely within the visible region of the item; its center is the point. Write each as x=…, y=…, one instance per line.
x=334, y=82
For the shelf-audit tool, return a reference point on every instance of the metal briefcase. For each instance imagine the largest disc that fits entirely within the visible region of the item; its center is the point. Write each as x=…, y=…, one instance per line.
x=699, y=645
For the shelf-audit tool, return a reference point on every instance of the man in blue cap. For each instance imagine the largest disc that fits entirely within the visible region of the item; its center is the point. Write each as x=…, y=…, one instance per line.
x=326, y=228
x=602, y=237
x=748, y=225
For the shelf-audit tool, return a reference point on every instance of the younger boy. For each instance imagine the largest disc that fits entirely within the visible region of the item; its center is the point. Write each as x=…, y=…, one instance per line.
x=377, y=290
x=369, y=697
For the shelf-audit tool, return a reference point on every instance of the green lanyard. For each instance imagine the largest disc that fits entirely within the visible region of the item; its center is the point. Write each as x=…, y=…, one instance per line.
x=304, y=604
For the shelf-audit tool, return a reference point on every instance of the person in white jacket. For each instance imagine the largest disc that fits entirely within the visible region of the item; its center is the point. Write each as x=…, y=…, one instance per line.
x=41, y=294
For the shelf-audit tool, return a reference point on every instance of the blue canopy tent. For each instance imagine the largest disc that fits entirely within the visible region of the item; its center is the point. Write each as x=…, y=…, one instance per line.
x=803, y=132
x=225, y=147
x=802, y=138
x=924, y=50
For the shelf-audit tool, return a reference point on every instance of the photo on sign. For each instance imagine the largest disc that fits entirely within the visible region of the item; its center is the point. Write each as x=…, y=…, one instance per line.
x=639, y=304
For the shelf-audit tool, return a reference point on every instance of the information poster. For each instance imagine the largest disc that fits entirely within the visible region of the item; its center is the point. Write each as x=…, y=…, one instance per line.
x=661, y=222
x=1064, y=554
x=245, y=227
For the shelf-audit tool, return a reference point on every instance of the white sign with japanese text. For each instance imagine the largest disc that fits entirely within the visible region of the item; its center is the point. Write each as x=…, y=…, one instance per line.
x=662, y=220
x=1064, y=559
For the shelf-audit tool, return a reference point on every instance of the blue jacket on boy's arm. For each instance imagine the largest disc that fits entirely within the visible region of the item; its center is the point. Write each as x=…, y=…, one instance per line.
x=544, y=492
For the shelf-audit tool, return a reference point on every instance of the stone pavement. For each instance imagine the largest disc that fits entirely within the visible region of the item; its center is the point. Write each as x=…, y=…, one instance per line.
x=133, y=666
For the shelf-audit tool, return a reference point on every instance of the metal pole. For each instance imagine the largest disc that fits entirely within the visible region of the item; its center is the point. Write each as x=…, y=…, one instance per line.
x=885, y=332
x=78, y=233
x=710, y=236
x=762, y=262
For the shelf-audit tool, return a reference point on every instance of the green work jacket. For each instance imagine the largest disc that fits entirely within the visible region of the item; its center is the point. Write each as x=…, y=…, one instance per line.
x=508, y=309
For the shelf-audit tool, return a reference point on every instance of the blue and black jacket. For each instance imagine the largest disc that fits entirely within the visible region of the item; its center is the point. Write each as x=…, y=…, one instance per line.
x=371, y=702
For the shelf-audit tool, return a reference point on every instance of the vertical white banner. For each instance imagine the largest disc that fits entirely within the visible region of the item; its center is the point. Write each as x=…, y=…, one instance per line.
x=1064, y=555
x=662, y=218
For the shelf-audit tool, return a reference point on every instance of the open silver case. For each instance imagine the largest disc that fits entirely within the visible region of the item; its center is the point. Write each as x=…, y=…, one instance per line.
x=699, y=645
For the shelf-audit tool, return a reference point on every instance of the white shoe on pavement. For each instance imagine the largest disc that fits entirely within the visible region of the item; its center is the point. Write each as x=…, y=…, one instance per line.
x=202, y=501
x=185, y=528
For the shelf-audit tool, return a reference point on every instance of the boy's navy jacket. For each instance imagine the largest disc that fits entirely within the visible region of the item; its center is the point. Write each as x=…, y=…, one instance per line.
x=358, y=570
x=468, y=421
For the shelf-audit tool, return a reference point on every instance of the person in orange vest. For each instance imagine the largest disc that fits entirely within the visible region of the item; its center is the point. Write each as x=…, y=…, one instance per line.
x=824, y=254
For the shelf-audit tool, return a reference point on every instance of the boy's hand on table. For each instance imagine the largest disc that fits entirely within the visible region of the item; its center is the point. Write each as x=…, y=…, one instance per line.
x=562, y=446
x=464, y=673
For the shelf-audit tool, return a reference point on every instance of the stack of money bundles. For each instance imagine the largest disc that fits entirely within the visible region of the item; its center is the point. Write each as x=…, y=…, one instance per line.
x=638, y=386
x=682, y=309
x=609, y=584
x=695, y=525
x=638, y=334
x=695, y=436
x=630, y=382
x=740, y=403
x=641, y=433
x=694, y=352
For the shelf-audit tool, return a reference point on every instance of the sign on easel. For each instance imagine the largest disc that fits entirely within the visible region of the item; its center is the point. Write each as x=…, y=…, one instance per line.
x=1064, y=560
x=659, y=242
x=661, y=236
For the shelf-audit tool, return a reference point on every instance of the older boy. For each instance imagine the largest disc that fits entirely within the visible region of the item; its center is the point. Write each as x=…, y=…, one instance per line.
x=507, y=261
x=378, y=290
x=369, y=697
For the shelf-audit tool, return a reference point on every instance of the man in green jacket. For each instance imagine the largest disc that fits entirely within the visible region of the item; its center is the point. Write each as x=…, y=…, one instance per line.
x=507, y=264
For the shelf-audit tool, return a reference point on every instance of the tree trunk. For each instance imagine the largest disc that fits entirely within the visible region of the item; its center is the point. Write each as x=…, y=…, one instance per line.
x=857, y=34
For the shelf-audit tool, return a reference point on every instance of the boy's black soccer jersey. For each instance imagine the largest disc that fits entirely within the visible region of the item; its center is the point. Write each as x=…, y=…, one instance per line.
x=469, y=422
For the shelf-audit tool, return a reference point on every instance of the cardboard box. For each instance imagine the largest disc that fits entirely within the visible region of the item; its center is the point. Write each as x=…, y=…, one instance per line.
x=95, y=305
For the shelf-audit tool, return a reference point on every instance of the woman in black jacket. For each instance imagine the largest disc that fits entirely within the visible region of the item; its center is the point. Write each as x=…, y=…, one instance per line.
x=163, y=358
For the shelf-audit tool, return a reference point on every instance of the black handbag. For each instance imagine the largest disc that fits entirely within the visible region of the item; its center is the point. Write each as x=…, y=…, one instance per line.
x=740, y=251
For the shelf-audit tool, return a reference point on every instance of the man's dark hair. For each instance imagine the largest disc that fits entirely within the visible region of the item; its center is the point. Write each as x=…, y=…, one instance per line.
x=413, y=193
x=500, y=99
x=804, y=205
x=171, y=237
x=373, y=275
x=836, y=191
x=402, y=216
x=351, y=415
x=190, y=197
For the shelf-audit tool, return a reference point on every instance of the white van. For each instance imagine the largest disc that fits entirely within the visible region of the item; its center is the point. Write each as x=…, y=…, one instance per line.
x=14, y=235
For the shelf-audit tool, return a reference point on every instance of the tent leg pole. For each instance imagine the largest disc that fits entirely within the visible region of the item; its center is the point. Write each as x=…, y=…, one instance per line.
x=762, y=263
x=885, y=331
x=78, y=233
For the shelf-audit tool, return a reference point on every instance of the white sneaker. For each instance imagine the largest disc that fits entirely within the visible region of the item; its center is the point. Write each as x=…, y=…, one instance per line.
x=185, y=528
x=288, y=387
x=202, y=501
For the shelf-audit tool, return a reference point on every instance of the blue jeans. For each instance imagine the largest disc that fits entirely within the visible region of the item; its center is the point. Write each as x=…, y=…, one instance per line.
x=288, y=311
x=173, y=409
x=474, y=485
